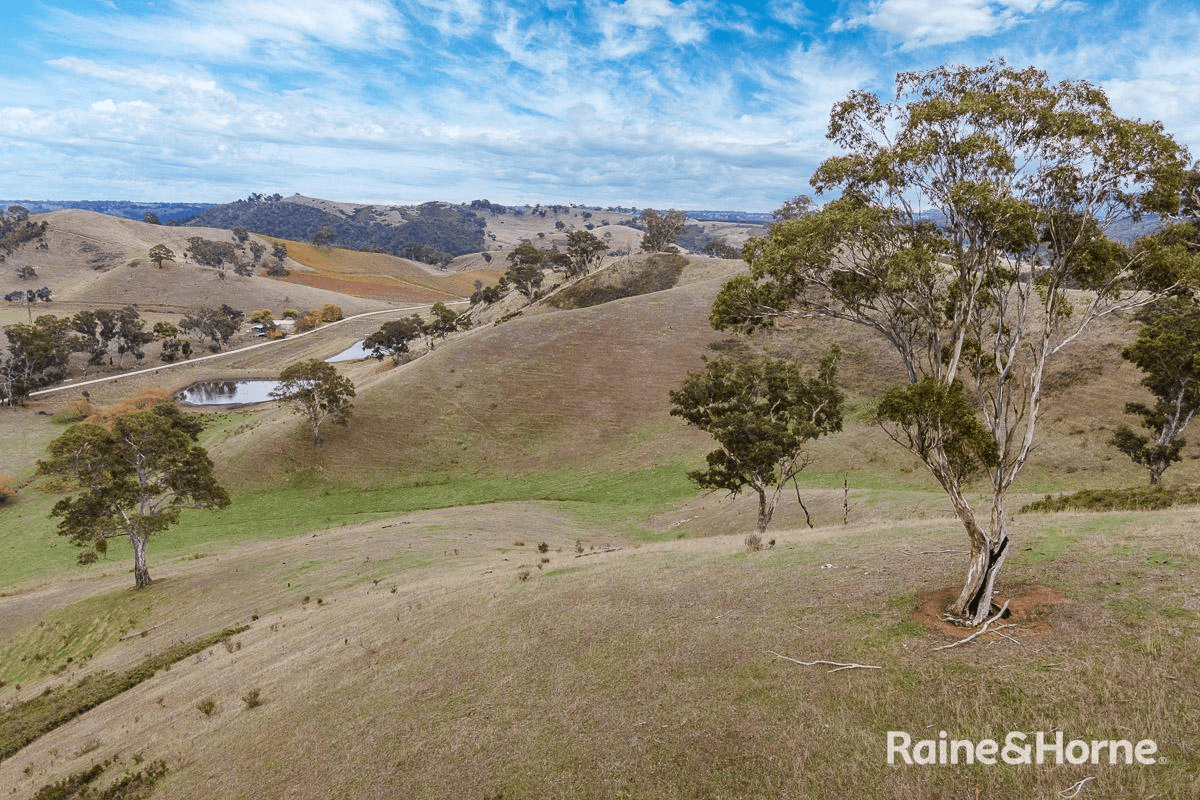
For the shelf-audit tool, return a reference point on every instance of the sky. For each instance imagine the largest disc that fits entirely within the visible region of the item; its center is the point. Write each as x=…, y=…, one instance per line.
x=695, y=104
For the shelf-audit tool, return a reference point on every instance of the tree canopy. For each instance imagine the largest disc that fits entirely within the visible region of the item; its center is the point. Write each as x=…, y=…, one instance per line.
x=393, y=338
x=1167, y=349
x=970, y=235
x=315, y=389
x=662, y=230
x=133, y=480
x=763, y=413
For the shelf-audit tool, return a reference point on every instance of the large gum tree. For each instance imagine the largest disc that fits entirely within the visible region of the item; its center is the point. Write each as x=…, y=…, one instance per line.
x=970, y=234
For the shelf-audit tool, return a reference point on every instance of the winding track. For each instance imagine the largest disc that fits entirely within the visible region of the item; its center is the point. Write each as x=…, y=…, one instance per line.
x=191, y=361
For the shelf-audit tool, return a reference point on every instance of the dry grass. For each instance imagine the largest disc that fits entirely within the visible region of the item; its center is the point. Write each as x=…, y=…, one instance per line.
x=645, y=671
x=428, y=669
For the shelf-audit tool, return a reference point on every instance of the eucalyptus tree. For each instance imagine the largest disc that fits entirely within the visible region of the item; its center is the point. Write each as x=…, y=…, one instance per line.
x=315, y=389
x=1167, y=349
x=970, y=235
x=763, y=413
x=133, y=480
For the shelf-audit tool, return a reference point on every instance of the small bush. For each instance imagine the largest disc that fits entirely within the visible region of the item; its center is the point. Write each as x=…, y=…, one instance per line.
x=518, y=542
x=206, y=707
x=252, y=698
x=543, y=548
x=523, y=574
x=754, y=543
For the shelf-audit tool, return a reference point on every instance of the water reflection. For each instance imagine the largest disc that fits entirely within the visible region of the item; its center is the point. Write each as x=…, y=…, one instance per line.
x=355, y=352
x=218, y=393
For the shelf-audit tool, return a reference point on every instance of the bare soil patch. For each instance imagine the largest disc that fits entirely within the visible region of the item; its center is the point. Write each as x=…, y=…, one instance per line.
x=1030, y=608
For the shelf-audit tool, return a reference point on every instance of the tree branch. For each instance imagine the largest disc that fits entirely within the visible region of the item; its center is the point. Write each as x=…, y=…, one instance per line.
x=838, y=666
x=982, y=630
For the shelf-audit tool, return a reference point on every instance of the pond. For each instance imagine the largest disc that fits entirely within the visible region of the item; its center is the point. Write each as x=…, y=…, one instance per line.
x=354, y=352
x=220, y=393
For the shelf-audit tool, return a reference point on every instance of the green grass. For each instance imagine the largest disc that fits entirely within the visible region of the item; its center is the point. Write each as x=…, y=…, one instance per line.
x=72, y=634
x=25, y=722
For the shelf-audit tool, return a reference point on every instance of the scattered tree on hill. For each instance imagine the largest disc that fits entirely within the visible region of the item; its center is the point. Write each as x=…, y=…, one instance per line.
x=442, y=320
x=585, y=252
x=1168, y=351
x=484, y=294
x=525, y=270
x=331, y=312
x=1027, y=176
x=160, y=253
x=315, y=389
x=393, y=338
x=25, y=272
x=6, y=488
x=134, y=480
x=797, y=207
x=279, y=253
x=38, y=355
x=662, y=230
x=16, y=230
x=216, y=324
x=763, y=413
x=719, y=249
x=150, y=218
x=322, y=236
x=211, y=253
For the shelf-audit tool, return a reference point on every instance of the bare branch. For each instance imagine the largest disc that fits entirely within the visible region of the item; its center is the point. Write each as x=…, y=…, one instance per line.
x=838, y=666
x=982, y=630
x=1073, y=790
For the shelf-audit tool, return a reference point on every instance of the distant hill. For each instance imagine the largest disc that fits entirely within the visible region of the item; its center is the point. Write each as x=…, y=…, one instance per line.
x=432, y=233
x=166, y=212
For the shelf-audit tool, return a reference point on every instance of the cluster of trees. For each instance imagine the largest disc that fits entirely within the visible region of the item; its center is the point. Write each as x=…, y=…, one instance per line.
x=217, y=325
x=100, y=329
x=432, y=232
x=1025, y=176
x=39, y=353
x=16, y=230
x=394, y=338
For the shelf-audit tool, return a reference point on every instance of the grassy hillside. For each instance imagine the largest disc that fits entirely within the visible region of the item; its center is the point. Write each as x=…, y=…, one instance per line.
x=410, y=640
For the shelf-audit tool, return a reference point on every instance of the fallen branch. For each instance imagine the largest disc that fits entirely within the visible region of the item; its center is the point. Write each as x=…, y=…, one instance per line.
x=837, y=665
x=1073, y=790
x=982, y=630
x=141, y=633
x=597, y=552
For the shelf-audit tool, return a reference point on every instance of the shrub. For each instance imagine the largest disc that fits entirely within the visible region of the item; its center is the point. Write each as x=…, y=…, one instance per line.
x=6, y=489
x=206, y=707
x=252, y=698
x=331, y=312
x=1138, y=498
x=754, y=543
x=543, y=548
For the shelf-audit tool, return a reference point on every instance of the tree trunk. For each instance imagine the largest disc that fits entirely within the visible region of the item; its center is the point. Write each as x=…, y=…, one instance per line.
x=141, y=574
x=974, y=603
x=1157, y=468
x=765, y=512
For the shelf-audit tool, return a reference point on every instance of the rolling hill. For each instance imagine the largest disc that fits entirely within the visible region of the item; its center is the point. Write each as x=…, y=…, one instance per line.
x=408, y=637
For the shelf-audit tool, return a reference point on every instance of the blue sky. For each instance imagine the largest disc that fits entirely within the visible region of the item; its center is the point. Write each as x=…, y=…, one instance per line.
x=665, y=103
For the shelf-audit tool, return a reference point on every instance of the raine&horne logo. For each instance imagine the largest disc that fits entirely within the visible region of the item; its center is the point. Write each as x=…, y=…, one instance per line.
x=1018, y=747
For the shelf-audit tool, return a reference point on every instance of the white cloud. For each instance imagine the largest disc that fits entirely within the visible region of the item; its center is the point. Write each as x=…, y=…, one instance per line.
x=627, y=28
x=919, y=23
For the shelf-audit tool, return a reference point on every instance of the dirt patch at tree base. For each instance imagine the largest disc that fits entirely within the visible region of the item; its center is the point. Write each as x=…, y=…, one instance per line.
x=1030, y=608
